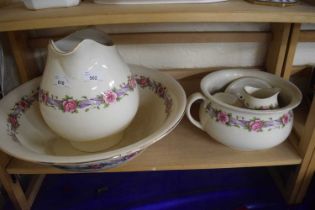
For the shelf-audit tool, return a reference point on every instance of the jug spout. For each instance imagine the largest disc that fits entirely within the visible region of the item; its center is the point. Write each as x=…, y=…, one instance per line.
x=250, y=90
x=71, y=43
x=84, y=55
x=262, y=92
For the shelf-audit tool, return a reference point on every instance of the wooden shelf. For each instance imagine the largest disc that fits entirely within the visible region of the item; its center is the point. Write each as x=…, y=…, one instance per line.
x=16, y=17
x=186, y=148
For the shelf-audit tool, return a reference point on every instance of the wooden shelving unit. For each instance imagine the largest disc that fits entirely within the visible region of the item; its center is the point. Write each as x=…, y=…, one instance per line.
x=16, y=17
x=306, y=140
x=186, y=148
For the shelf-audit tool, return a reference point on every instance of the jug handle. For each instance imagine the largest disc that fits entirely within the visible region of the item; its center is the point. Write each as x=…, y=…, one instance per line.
x=191, y=99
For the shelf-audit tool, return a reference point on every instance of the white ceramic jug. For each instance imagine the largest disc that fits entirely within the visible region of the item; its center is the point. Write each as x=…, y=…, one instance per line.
x=261, y=98
x=87, y=93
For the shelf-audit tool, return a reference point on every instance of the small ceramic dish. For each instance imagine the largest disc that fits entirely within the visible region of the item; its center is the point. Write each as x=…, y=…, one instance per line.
x=261, y=98
x=236, y=87
x=44, y=4
x=277, y=3
x=26, y=136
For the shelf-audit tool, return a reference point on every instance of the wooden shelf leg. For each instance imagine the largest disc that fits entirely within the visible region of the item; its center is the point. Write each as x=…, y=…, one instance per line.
x=34, y=188
x=306, y=181
x=20, y=199
x=3, y=2
x=300, y=179
x=306, y=148
x=293, y=41
x=23, y=55
x=277, y=48
x=12, y=185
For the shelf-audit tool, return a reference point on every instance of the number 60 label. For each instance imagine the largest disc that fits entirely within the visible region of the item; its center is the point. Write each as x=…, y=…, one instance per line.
x=61, y=81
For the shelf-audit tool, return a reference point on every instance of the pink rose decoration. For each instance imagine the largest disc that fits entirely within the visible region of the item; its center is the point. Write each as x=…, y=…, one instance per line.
x=143, y=82
x=222, y=117
x=44, y=98
x=160, y=91
x=132, y=83
x=13, y=121
x=110, y=97
x=23, y=105
x=285, y=119
x=69, y=105
x=256, y=125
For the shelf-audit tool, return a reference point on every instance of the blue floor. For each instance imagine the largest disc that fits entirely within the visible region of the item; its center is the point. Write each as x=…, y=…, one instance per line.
x=228, y=189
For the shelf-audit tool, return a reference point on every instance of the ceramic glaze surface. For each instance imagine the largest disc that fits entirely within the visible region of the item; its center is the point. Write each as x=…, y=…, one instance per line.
x=43, y=4
x=87, y=91
x=261, y=98
x=241, y=128
x=248, y=132
x=26, y=136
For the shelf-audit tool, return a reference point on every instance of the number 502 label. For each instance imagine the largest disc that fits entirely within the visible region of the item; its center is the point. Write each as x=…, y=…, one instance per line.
x=93, y=76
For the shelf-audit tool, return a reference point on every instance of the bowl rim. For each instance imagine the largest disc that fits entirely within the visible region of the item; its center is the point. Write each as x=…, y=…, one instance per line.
x=293, y=103
x=173, y=120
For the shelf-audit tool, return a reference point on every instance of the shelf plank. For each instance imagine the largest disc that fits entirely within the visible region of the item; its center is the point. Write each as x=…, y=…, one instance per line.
x=186, y=148
x=169, y=38
x=16, y=17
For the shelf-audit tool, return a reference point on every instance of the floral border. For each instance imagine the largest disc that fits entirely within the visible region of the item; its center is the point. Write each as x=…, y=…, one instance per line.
x=26, y=101
x=18, y=109
x=157, y=88
x=97, y=165
x=255, y=124
x=72, y=105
